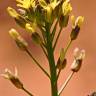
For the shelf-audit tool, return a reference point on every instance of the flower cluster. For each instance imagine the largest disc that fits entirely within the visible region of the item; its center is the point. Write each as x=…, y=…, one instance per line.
x=47, y=16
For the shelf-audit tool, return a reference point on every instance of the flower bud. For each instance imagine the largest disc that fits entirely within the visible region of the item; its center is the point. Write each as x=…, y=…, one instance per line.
x=12, y=12
x=36, y=38
x=29, y=28
x=61, y=64
x=18, y=18
x=63, y=22
x=13, y=78
x=62, y=61
x=21, y=43
x=76, y=24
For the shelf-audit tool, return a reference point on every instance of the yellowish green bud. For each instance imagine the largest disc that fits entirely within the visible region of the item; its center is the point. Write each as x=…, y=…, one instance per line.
x=36, y=38
x=14, y=34
x=21, y=43
x=29, y=28
x=13, y=78
x=19, y=19
x=61, y=63
x=12, y=12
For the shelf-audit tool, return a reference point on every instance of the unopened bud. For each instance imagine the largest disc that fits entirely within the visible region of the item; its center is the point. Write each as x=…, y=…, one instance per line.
x=29, y=28
x=61, y=64
x=21, y=21
x=36, y=38
x=63, y=22
x=76, y=24
x=21, y=43
x=18, y=18
x=12, y=12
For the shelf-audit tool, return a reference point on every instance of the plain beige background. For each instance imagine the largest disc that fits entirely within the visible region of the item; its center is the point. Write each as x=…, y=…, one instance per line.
x=82, y=83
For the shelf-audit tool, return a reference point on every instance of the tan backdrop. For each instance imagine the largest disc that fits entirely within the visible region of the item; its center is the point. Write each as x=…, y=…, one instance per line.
x=82, y=83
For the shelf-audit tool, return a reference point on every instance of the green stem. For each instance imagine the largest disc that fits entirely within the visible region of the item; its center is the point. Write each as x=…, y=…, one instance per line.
x=57, y=38
x=30, y=94
x=54, y=89
x=65, y=83
x=28, y=52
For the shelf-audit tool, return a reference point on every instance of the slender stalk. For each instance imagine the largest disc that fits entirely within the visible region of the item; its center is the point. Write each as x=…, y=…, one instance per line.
x=54, y=30
x=65, y=83
x=57, y=38
x=67, y=47
x=28, y=52
x=58, y=74
x=54, y=89
x=44, y=51
x=30, y=94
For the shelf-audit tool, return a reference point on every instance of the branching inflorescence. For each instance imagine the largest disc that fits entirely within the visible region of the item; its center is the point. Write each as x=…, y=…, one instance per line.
x=46, y=15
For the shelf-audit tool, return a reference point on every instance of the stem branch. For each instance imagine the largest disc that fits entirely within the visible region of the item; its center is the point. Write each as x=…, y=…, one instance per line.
x=57, y=38
x=28, y=52
x=65, y=83
x=30, y=94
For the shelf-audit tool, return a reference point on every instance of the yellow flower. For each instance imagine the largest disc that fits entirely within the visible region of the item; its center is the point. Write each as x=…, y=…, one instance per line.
x=48, y=8
x=77, y=22
x=13, y=78
x=66, y=7
x=24, y=3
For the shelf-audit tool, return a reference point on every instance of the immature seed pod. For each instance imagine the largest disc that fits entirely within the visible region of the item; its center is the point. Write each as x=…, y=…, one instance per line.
x=61, y=65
